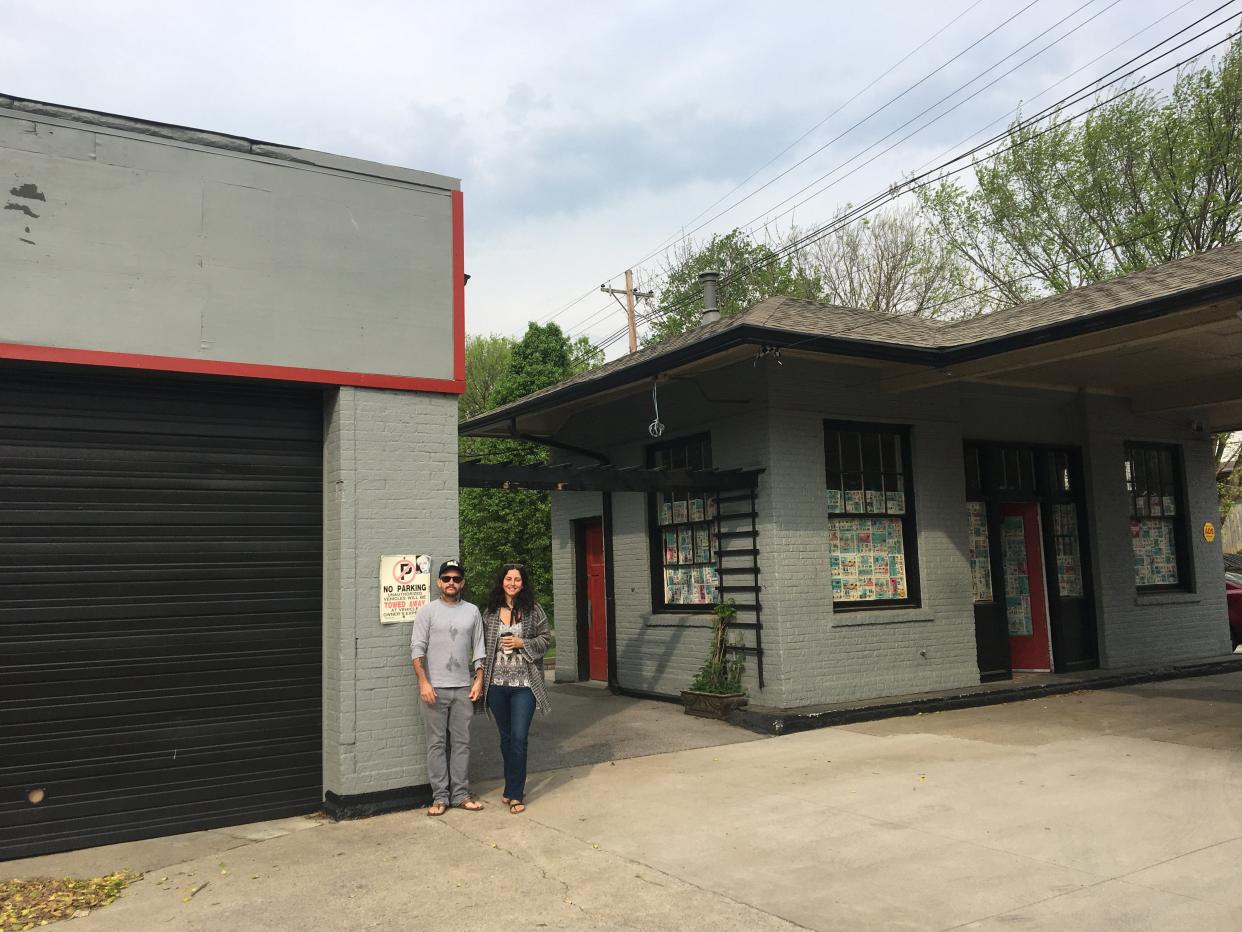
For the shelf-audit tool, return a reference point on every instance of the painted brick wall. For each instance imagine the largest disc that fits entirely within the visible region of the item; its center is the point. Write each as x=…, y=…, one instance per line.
x=810, y=655
x=815, y=655
x=835, y=656
x=1138, y=628
x=657, y=653
x=1133, y=628
x=390, y=481
x=566, y=508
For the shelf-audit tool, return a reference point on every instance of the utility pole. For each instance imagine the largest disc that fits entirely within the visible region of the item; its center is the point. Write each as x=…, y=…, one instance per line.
x=630, y=295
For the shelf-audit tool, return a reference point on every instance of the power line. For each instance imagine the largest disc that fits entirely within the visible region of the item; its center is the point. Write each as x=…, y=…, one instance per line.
x=909, y=185
x=1001, y=136
x=918, y=181
x=1078, y=70
x=874, y=81
x=994, y=138
x=857, y=124
x=997, y=285
x=1020, y=278
x=926, y=110
x=883, y=107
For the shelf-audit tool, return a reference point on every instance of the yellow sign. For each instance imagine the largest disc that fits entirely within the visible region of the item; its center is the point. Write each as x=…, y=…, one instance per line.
x=1209, y=531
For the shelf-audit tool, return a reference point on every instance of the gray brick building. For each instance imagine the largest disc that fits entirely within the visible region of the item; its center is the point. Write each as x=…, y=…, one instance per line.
x=1043, y=476
x=228, y=383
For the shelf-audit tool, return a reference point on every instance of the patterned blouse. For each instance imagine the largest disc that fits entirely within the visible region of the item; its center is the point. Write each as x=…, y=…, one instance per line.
x=535, y=640
x=509, y=667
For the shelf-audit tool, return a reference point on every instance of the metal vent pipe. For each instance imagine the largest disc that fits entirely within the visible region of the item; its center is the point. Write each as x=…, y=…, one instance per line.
x=709, y=281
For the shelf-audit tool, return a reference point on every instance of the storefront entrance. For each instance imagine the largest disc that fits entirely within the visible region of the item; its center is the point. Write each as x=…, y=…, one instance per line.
x=1030, y=576
x=593, y=624
x=1030, y=646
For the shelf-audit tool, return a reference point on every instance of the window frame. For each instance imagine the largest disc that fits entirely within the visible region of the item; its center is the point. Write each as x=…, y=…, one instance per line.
x=655, y=530
x=909, y=523
x=1180, y=523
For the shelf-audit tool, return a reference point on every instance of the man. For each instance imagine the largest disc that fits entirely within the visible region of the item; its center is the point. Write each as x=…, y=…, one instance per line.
x=446, y=645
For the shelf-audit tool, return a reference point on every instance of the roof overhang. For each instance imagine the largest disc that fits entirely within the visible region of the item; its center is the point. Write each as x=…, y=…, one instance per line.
x=1179, y=352
x=720, y=349
x=1186, y=362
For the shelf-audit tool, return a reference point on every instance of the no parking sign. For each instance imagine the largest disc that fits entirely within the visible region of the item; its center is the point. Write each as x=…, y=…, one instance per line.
x=405, y=586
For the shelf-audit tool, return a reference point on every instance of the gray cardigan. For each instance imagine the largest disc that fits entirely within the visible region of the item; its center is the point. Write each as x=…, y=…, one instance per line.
x=535, y=640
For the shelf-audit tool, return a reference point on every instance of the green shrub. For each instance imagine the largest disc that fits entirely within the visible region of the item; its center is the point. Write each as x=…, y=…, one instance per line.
x=720, y=674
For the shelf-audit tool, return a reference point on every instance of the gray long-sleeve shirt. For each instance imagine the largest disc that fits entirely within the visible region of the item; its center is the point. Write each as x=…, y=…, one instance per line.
x=450, y=637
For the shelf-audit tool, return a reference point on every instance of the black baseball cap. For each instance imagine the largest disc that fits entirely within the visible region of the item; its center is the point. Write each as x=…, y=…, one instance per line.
x=451, y=565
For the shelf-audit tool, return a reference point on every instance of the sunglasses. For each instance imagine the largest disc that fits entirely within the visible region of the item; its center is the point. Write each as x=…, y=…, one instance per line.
x=453, y=579
x=514, y=566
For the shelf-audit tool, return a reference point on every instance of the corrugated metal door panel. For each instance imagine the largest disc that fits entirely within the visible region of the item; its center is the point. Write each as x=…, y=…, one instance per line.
x=160, y=606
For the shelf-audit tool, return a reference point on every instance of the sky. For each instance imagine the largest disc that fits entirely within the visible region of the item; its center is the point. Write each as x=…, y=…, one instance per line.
x=587, y=136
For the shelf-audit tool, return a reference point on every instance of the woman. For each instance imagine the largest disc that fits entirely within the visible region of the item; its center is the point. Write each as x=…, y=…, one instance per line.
x=515, y=633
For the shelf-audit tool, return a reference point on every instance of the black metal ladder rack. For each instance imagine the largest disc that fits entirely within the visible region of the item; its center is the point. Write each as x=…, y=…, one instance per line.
x=737, y=559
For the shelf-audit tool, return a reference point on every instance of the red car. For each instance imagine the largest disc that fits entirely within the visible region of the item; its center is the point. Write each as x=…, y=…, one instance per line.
x=1233, y=595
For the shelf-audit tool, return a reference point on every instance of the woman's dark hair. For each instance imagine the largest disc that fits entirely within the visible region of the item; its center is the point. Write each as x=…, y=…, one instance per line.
x=524, y=601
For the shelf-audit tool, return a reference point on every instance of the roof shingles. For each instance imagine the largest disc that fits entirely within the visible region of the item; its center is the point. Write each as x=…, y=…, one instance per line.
x=809, y=320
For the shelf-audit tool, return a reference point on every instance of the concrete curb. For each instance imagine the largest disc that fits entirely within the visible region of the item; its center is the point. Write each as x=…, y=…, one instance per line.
x=783, y=722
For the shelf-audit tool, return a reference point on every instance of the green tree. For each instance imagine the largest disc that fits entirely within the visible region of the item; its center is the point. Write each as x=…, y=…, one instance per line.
x=1143, y=180
x=487, y=359
x=503, y=525
x=750, y=272
x=584, y=355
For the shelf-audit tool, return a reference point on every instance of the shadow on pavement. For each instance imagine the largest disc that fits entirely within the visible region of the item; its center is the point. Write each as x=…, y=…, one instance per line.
x=589, y=725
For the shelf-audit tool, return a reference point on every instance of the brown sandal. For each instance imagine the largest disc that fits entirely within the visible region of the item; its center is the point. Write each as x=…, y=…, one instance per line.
x=470, y=804
x=437, y=809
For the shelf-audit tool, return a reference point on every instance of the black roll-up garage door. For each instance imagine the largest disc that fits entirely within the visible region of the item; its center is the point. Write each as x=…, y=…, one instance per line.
x=160, y=594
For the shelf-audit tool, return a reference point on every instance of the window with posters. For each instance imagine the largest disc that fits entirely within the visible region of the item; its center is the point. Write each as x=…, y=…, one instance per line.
x=686, y=573
x=1157, y=522
x=980, y=551
x=872, y=546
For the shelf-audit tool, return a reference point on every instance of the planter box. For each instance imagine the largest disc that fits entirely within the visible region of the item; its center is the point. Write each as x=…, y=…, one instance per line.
x=711, y=705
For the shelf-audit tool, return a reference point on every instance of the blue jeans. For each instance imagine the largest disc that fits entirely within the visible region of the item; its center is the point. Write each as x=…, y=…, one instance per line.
x=512, y=707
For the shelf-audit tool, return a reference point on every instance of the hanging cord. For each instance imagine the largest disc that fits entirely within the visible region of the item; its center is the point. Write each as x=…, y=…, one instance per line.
x=773, y=351
x=655, y=428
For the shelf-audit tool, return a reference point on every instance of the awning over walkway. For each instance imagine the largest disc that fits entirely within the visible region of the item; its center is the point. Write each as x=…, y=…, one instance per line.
x=568, y=477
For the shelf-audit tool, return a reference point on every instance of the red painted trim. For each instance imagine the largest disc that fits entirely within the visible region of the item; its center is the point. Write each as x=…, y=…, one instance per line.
x=82, y=357
x=459, y=291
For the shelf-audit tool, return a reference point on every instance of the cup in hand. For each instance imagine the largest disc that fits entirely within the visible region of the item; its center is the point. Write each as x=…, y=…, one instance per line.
x=510, y=631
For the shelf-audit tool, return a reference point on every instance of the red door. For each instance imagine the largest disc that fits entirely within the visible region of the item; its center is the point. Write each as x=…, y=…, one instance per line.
x=1026, y=600
x=597, y=623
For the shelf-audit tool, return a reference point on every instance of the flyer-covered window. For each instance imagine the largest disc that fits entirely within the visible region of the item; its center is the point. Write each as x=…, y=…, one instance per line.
x=870, y=515
x=686, y=525
x=1157, y=530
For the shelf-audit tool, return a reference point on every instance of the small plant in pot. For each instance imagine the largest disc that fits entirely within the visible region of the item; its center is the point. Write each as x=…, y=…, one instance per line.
x=717, y=688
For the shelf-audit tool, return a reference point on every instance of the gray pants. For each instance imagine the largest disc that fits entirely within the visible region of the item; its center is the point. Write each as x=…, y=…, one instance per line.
x=449, y=773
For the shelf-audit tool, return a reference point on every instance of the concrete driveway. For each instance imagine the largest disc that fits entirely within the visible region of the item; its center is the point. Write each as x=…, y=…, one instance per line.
x=588, y=725
x=1114, y=809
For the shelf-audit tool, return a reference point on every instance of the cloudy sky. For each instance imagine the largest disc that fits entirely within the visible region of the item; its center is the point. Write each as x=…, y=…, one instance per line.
x=588, y=135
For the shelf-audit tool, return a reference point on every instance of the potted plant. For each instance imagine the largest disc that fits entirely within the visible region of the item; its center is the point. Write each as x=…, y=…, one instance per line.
x=717, y=688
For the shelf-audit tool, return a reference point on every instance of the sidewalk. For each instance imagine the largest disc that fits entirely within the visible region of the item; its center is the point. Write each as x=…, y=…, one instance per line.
x=766, y=720
x=1108, y=809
